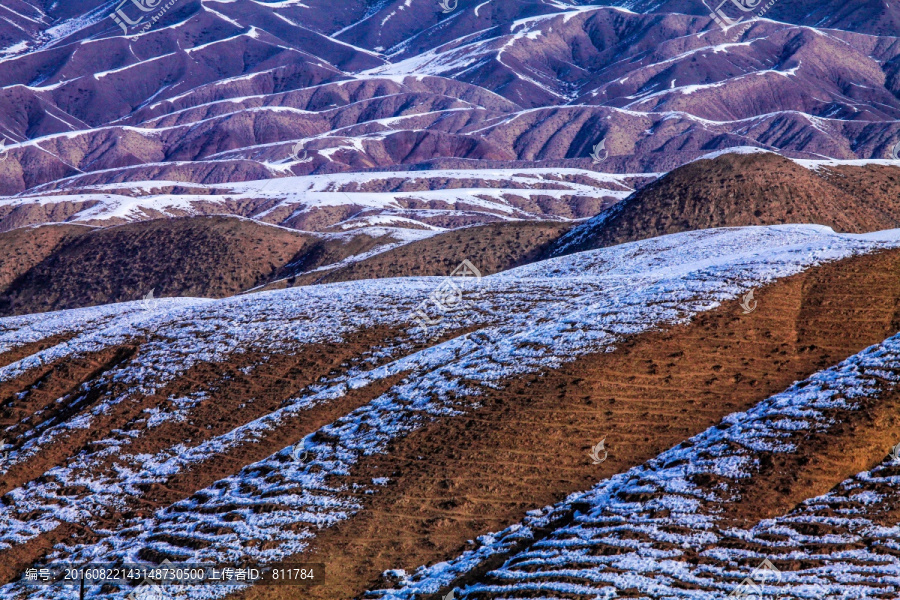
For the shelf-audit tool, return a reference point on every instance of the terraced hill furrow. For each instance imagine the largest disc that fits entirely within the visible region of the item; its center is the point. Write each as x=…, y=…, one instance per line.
x=185, y=418
x=527, y=446
x=776, y=483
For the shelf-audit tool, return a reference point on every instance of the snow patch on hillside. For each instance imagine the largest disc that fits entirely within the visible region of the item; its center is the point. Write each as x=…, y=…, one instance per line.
x=528, y=319
x=654, y=535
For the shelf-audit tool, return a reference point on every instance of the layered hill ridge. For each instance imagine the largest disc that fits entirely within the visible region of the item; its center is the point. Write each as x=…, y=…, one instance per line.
x=289, y=425
x=423, y=200
x=58, y=267
x=224, y=91
x=393, y=226
x=329, y=228
x=756, y=188
x=877, y=18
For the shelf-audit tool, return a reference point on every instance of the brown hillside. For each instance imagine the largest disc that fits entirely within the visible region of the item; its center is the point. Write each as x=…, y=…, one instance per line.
x=491, y=248
x=24, y=249
x=203, y=256
x=527, y=447
x=876, y=185
x=744, y=189
x=57, y=267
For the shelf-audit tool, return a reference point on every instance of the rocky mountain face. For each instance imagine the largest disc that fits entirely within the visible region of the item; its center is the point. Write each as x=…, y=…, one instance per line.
x=216, y=92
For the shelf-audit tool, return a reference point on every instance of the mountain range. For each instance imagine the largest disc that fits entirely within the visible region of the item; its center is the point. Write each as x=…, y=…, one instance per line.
x=451, y=299
x=220, y=92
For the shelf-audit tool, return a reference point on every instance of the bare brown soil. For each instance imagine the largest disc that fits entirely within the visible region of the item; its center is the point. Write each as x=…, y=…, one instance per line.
x=23, y=249
x=26, y=350
x=491, y=248
x=325, y=252
x=861, y=440
x=527, y=447
x=876, y=185
x=34, y=395
x=201, y=256
x=750, y=189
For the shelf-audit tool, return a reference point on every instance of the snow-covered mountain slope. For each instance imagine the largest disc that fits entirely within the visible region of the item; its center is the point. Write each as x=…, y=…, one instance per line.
x=171, y=428
x=430, y=201
x=218, y=92
x=676, y=527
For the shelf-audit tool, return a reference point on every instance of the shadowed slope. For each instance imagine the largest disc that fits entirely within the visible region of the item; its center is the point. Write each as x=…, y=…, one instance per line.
x=23, y=249
x=491, y=248
x=206, y=256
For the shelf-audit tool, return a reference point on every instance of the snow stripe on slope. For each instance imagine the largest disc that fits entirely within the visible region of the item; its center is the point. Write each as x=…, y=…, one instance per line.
x=631, y=534
x=604, y=296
